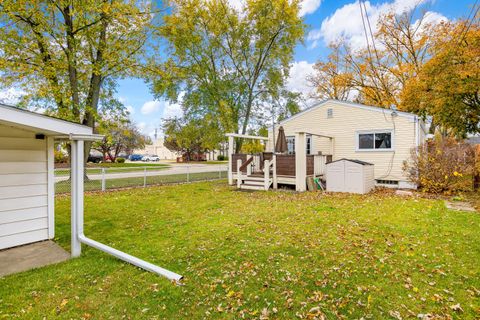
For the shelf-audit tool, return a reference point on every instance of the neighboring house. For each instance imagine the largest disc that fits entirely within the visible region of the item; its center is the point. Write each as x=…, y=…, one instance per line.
x=158, y=148
x=342, y=129
x=326, y=132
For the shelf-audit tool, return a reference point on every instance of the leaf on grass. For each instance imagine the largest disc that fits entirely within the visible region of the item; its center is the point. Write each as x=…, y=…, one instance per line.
x=456, y=307
x=395, y=315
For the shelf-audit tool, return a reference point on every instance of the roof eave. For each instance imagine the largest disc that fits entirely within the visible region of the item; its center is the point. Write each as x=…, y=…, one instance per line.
x=39, y=122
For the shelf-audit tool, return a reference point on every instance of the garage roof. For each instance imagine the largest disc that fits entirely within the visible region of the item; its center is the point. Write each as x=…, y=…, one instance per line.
x=28, y=120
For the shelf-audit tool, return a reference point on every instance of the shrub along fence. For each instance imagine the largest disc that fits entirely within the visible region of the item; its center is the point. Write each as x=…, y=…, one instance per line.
x=102, y=179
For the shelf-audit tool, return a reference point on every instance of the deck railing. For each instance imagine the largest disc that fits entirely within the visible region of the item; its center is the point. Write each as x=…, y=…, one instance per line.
x=284, y=164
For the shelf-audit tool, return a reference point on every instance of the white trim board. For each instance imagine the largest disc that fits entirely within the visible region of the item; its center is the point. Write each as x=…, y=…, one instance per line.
x=15, y=117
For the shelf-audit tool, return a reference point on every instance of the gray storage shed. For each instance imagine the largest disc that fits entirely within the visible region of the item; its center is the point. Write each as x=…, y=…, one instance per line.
x=347, y=175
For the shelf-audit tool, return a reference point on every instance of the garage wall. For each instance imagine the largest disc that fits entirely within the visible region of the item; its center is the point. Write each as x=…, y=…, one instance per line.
x=24, y=184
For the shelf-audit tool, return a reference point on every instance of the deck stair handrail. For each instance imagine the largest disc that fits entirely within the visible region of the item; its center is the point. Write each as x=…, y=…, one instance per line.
x=270, y=165
x=246, y=179
x=245, y=164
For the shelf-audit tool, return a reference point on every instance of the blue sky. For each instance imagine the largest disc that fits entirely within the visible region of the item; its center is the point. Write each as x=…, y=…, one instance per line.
x=327, y=20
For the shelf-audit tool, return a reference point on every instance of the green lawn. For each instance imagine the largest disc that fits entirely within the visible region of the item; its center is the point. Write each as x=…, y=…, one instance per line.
x=277, y=255
x=94, y=185
x=96, y=168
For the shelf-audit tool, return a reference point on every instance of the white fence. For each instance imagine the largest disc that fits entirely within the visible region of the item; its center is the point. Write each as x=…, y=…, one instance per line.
x=102, y=179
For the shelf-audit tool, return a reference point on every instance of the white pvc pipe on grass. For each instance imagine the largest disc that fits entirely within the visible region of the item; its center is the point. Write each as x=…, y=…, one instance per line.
x=130, y=259
x=79, y=237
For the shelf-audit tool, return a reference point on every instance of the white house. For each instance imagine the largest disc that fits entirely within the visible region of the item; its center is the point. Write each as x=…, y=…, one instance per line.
x=158, y=148
x=329, y=131
x=27, y=182
x=349, y=130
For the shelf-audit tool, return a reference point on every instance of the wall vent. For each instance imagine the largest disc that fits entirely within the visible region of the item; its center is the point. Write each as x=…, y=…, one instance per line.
x=329, y=113
x=389, y=182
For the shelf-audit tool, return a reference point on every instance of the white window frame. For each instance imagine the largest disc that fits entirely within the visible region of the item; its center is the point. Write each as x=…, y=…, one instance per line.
x=294, y=142
x=308, y=142
x=307, y=138
x=357, y=140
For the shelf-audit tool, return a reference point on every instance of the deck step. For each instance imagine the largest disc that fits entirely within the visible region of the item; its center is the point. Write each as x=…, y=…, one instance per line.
x=254, y=182
x=252, y=187
x=255, y=178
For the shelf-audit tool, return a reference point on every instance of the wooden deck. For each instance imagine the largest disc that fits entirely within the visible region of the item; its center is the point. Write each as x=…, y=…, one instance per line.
x=252, y=174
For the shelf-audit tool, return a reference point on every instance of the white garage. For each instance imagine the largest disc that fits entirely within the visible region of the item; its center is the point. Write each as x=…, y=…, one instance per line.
x=347, y=175
x=27, y=183
x=27, y=174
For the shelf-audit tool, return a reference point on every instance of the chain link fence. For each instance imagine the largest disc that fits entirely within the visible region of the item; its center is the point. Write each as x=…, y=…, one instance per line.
x=102, y=179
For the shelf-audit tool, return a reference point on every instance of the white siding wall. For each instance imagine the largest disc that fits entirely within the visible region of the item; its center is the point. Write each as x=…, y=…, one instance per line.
x=343, y=126
x=24, y=200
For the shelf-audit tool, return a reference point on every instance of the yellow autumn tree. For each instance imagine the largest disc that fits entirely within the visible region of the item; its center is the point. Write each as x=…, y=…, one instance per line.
x=448, y=85
x=66, y=55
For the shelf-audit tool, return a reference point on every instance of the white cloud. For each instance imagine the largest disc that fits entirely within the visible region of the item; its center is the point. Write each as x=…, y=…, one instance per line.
x=297, y=81
x=150, y=107
x=172, y=110
x=11, y=96
x=130, y=109
x=346, y=22
x=309, y=6
x=432, y=17
x=148, y=128
x=237, y=4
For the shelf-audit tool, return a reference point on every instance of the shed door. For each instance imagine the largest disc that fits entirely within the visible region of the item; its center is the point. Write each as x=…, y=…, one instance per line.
x=336, y=177
x=353, y=177
x=23, y=188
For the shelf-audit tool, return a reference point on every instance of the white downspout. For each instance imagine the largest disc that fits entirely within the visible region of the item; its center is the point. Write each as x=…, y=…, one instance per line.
x=78, y=235
x=230, y=160
x=417, y=132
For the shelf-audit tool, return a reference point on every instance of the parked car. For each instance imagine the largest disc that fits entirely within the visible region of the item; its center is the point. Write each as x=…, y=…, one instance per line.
x=95, y=158
x=148, y=158
x=135, y=157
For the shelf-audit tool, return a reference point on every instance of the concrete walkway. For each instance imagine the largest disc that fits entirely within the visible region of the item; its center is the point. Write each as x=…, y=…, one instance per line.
x=459, y=205
x=30, y=256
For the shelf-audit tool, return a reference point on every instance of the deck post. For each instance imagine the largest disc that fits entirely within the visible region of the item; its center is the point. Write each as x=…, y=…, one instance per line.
x=230, y=160
x=300, y=162
x=266, y=174
x=239, y=173
x=275, y=183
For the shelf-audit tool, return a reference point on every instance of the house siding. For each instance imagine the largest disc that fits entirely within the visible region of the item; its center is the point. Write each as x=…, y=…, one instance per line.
x=343, y=126
x=24, y=200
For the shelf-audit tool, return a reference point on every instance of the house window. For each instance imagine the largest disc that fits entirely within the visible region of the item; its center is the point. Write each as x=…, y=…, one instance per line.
x=309, y=145
x=330, y=113
x=291, y=145
x=381, y=140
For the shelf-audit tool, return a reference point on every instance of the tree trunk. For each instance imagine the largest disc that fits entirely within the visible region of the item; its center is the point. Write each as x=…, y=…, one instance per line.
x=239, y=141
